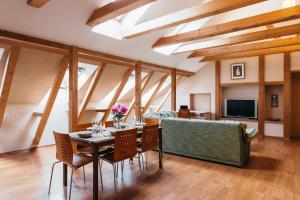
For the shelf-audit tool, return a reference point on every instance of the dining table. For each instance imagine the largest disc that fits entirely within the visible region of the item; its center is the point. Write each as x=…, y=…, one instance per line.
x=101, y=139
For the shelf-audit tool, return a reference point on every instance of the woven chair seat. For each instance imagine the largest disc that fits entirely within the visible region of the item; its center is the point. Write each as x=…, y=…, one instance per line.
x=80, y=159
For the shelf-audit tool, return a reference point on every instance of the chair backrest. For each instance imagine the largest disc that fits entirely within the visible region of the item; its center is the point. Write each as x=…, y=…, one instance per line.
x=64, y=150
x=150, y=137
x=109, y=124
x=125, y=144
x=151, y=121
x=82, y=127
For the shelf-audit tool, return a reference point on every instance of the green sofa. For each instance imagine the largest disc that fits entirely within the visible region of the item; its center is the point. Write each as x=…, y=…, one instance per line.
x=218, y=141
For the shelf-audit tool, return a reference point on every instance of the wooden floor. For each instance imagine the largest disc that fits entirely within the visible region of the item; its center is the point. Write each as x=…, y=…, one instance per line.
x=273, y=172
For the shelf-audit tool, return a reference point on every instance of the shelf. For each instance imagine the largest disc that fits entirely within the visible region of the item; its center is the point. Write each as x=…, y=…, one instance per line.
x=274, y=83
x=96, y=110
x=37, y=114
x=273, y=122
x=239, y=84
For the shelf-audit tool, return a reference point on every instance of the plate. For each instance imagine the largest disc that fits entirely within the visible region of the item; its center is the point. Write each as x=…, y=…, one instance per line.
x=140, y=124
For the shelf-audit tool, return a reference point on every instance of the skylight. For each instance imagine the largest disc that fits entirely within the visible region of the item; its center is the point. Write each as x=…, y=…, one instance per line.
x=288, y=3
x=117, y=27
x=130, y=84
x=85, y=71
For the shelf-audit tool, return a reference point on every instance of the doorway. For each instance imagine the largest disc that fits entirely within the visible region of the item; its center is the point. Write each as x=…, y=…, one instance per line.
x=295, y=105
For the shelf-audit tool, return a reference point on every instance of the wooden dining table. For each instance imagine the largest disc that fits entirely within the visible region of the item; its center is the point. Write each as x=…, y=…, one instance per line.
x=97, y=141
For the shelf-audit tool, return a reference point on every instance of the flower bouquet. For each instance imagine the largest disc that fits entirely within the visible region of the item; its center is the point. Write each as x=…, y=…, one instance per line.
x=118, y=112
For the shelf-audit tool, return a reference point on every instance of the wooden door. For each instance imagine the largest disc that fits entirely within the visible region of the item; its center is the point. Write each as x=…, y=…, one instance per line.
x=295, y=98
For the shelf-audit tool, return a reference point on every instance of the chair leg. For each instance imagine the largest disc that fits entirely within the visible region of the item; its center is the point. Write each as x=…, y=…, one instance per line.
x=114, y=167
x=117, y=169
x=83, y=173
x=122, y=167
x=71, y=181
x=139, y=157
x=100, y=168
x=146, y=158
x=52, y=175
x=143, y=162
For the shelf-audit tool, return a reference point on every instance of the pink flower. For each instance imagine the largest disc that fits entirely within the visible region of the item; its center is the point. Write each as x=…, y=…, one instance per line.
x=123, y=109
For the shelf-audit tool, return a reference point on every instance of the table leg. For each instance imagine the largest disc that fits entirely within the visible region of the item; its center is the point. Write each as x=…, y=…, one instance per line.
x=95, y=173
x=160, y=150
x=65, y=174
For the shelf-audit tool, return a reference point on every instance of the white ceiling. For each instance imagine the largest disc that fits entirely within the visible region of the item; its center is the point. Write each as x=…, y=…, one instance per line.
x=64, y=21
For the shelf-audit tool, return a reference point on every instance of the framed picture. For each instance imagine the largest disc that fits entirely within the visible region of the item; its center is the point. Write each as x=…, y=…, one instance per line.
x=237, y=71
x=274, y=101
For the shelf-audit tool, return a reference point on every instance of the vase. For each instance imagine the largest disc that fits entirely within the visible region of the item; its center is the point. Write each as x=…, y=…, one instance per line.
x=118, y=123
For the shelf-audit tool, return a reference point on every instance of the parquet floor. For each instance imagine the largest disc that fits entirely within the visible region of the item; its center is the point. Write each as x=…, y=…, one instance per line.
x=273, y=172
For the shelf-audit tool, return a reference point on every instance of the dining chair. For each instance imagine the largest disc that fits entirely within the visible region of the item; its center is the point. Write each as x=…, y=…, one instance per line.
x=125, y=147
x=149, y=141
x=109, y=124
x=151, y=121
x=65, y=154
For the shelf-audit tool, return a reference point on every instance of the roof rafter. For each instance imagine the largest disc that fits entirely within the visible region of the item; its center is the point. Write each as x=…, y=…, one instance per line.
x=9, y=72
x=233, y=26
x=203, y=10
x=252, y=53
x=254, y=36
x=118, y=92
x=91, y=89
x=247, y=47
x=114, y=9
x=155, y=92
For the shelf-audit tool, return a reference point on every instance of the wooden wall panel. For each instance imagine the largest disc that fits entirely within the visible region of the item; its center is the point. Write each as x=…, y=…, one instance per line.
x=261, y=96
x=138, y=91
x=173, y=90
x=218, y=99
x=287, y=95
x=73, y=89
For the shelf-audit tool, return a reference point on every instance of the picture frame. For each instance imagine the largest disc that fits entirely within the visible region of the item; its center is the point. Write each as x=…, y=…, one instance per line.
x=237, y=71
x=274, y=101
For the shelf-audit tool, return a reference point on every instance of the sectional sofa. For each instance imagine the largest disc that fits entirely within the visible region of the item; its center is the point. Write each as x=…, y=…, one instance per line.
x=218, y=141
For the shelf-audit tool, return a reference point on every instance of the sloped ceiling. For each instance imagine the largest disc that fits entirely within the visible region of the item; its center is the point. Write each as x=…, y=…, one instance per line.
x=65, y=21
x=34, y=75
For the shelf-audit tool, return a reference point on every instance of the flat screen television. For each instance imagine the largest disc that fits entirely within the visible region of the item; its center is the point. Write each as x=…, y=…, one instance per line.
x=240, y=108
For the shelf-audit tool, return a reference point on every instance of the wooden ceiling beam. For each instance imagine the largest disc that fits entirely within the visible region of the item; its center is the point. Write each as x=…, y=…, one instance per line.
x=155, y=92
x=7, y=79
x=255, y=36
x=247, y=47
x=266, y=19
x=118, y=93
x=252, y=53
x=20, y=40
x=91, y=89
x=114, y=9
x=37, y=3
x=200, y=11
x=165, y=69
x=51, y=100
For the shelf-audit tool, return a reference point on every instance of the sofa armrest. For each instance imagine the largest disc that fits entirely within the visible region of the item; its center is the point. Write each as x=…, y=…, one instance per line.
x=250, y=134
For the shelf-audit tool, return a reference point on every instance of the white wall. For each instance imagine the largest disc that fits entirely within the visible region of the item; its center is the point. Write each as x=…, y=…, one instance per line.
x=204, y=81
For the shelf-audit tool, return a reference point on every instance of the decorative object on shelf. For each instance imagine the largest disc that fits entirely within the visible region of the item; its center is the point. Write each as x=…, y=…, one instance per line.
x=274, y=101
x=237, y=71
x=118, y=112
